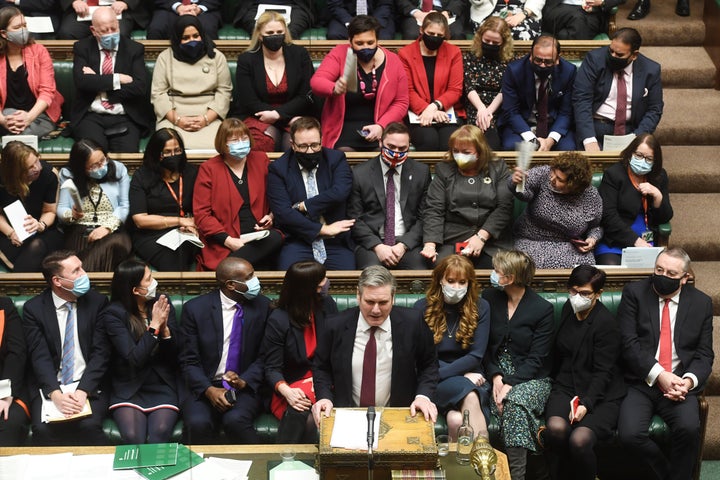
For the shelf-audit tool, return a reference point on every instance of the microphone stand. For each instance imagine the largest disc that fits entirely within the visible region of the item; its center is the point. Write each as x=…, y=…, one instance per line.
x=370, y=438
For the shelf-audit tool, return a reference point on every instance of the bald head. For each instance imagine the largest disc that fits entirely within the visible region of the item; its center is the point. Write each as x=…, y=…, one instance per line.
x=104, y=21
x=232, y=268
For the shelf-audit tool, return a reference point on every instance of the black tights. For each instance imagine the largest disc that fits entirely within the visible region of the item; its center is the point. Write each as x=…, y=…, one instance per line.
x=138, y=427
x=578, y=443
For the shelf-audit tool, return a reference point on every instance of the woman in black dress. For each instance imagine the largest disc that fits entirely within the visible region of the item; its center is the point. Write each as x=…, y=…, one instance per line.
x=161, y=193
x=24, y=177
x=140, y=328
x=586, y=368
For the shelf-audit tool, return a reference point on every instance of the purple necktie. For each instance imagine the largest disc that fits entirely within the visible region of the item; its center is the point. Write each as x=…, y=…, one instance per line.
x=541, y=131
x=235, y=347
x=367, y=386
x=621, y=106
x=390, y=208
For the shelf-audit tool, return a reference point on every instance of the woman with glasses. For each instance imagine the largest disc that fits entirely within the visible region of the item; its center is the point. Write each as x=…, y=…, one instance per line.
x=94, y=228
x=161, y=200
x=230, y=204
x=272, y=84
x=635, y=200
x=588, y=384
x=191, y=84
x=435, y=74
x=353, y=120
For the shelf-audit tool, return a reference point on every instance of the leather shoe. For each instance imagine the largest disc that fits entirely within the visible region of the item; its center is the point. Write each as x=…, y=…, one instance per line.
x=683, y=8
x=641, y=10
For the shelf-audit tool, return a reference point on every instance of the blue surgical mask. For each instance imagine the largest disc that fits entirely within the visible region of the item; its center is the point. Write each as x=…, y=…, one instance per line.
x=98, y=173
x=253, y=288
x=81, y=285
x=495, y=280
x=239, y=149
x=639, y=166
x=110, y=41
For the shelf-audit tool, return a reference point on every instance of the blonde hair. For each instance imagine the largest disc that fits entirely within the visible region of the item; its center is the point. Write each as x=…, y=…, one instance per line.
x=498, y=25
x=267, y=17
x=474, y=136
x=516, y=263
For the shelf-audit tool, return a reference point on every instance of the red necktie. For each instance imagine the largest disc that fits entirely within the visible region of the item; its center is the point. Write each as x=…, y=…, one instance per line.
x=92, y=3
x=107, y=69
x=186, y=2
x=541, y=130
x=427, y=5
x=390, y=208
x=367, y=387
x=665, y=357
x=621, y=106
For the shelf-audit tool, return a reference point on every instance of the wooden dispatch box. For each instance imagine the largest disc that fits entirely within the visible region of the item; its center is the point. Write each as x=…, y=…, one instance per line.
x=404, y=442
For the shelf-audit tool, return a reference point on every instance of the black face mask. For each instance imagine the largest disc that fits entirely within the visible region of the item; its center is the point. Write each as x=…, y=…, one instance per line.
x=273, y=42
x=541, y=72
x=194, y=50
x=615, y=63
x=365, y=54
x=491, y=51
x=664, y=285
x=432, y=43
x=308, y=160
x=172, y=162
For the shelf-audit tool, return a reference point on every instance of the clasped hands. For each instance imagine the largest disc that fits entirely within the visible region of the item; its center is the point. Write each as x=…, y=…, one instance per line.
x=673, y=387
x=70, y=403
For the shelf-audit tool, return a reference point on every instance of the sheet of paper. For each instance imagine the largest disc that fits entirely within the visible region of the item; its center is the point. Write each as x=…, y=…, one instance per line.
x=50, y=413
x=93, y=467
x=415, y=119
x=617, y=143
x=13, y=468
x=29, y=140
x=16, y=213
x=240, y=467
x=283, y=10
x=38, y=466
x=293, y=470
x=92, y=10
x=640, y=257
x=351, y=428
x=350, y=71
x=5, y=388
x=524, y=159
x=70, y=186
x=212, y=470
x=252, y=236
x=174, y=238
x=39, y=24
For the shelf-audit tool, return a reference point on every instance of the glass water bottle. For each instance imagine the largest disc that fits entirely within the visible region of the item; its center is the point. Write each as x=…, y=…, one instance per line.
x=465, y=436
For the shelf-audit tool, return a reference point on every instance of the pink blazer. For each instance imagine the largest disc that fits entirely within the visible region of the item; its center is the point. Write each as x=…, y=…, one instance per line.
x=41, y=79
x=391, y=103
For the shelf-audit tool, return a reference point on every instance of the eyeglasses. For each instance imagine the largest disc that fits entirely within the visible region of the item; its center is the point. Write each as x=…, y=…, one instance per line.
x=170, y=153
x=647, y=158
x=669, y=273
x=548, y=62
x=582, y=293
x=307, y=147
x=97, y=165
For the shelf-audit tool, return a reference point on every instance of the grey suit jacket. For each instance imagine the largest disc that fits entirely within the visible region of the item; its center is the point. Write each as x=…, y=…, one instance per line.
x=367, y=202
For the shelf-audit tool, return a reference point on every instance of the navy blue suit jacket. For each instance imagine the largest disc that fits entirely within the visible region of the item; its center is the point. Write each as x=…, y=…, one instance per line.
x=415, y=368
x=202, y=335
x=285, y=187
x=592, y=87
x=520, y=96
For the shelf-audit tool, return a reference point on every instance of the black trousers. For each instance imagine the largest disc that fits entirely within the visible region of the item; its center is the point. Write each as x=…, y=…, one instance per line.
x=571, y=22
x=202, y=421
x=162, y=23
x=94, y=126
x=412, y=260
x=71, y=29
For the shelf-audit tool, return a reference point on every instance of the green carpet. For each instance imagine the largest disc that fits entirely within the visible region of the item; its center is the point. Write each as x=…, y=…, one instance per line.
x=710, y=470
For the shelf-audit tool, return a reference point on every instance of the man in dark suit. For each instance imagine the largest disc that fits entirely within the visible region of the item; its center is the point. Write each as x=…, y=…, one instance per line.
x=595, y=99
x=375, y=244
x=111, y=105
x=569, y=20
x=166, y=12
x=376, y=354
x=302, y=15
x=210, y=373
x=342, y=11
x=537, y=99
x=666, y=327
x=411, y=14
x=133, y=14
x=64, y=349
x=308, y=188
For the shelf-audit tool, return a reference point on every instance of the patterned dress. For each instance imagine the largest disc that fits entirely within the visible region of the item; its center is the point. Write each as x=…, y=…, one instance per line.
x=483, y=75
x=528, y=29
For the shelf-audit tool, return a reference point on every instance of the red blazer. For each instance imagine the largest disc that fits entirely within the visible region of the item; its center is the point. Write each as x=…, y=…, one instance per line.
x=448, y=86
x=216, y=203
x=40, y=76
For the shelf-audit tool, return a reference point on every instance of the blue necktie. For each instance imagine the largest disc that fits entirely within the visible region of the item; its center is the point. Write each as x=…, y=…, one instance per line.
x=67, y=366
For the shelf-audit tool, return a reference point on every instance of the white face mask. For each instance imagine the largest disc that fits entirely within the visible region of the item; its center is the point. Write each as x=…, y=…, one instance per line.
x=453, y=295
x=151, y=290
x=464, y=160
x=580, y=303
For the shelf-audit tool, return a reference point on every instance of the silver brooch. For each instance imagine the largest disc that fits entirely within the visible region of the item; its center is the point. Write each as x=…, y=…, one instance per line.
x=471, y=181
x=487, y=180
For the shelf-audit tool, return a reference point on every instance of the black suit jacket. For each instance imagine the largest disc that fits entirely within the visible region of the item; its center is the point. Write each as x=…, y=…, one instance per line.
x=595, y=363
x=284, y=344
x=136, y=10
x=251, y=93
x=212, y=5
x=367, y=202
x=456, y=7
x=639, y=319
x=344, y=10
x=202, y=334
x=529, y=336
x=42, y=335
x=130, y=60
x=13, y=352
x=415, y=363
x=132, y=360
x=592, y=86
x=622, y=203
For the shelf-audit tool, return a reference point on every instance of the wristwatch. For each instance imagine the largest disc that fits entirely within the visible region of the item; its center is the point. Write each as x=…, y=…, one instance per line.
x=154, y=331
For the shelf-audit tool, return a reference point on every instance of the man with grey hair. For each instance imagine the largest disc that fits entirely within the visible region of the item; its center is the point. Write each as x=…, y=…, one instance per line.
x=376, y=354
x=666, y=327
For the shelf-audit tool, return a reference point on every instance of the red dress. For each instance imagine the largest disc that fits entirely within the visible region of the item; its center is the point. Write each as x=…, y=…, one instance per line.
x=277, y=95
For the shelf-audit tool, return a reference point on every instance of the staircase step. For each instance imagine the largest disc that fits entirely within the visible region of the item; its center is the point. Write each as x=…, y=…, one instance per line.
x=696, y=226
x=683, y=67
x=663, y=27
x=692, y=169
x=706, y=280
x=690, y=117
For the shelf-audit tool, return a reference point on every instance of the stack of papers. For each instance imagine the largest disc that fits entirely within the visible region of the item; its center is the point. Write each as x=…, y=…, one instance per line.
x=156, y=461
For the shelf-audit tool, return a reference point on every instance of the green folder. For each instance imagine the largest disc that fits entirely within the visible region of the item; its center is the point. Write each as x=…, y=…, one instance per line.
x=186, y=459
x=148, y=455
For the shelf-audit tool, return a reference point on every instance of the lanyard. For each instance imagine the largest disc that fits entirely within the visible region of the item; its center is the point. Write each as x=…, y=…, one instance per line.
x=94, y=204
x=178, y=200
x=643, y=197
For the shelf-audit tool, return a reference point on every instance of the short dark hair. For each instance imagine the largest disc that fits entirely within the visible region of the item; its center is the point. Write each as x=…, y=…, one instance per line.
x=361, y=24
x=577, y=168
x=304, y=123
x=298, y=294
x=395, y=127
x=587, y=274
x=629, y=36
x=652, y=142
x=545, y=40
x=51, y=264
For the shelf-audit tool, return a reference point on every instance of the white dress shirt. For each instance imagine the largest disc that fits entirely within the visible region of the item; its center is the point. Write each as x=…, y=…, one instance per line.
x=383, y=369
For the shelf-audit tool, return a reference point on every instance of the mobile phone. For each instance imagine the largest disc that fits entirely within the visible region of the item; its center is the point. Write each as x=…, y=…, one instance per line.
x=231, y=396
x=578, y=242
x=363, y=133
x=459, y=247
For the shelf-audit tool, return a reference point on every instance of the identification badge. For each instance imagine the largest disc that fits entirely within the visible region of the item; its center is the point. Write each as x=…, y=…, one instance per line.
x=648, y=236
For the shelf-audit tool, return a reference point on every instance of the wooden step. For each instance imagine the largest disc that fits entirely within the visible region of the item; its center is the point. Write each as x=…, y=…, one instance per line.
x=696, y=227
x=663, y=27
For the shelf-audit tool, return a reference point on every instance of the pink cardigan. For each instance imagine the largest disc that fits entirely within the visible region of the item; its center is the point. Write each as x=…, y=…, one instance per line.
x=41, y=79
x=391, y=103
